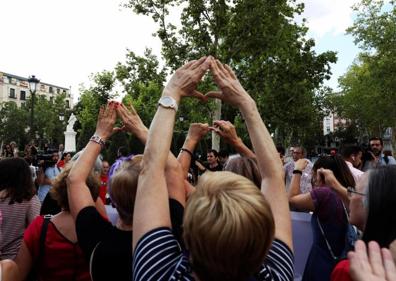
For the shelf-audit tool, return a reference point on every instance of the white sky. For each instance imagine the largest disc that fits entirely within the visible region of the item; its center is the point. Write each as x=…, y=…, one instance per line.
x=63, y=42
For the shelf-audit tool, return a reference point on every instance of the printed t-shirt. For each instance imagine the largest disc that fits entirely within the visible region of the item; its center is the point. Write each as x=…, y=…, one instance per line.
x=62, y=259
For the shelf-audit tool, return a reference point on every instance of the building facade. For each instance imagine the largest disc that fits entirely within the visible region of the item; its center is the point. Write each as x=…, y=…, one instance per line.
x=16, y=88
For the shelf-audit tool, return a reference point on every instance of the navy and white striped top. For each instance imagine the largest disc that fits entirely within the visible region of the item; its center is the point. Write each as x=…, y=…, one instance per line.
x=158, y=256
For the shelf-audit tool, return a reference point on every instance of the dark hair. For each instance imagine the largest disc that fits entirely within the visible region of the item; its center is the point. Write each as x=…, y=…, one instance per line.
x=376, y=138
x=59, y=189
x=16, y=179
x=381, y=198
x=246, y=167
x=224, y=153
x=214, y=151
x=122, y=151
x=281, y=149
x=349, y=150
x=64, y=155
x=338, y=166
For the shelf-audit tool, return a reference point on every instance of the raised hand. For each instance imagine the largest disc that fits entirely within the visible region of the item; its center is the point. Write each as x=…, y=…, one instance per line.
x=106, y=120
x=378, y=265
x=226, y=130
x=231, y=90
x=131, y=121
x=186, y=78
x=301, y=164
x=197, y=131
x=328, y=176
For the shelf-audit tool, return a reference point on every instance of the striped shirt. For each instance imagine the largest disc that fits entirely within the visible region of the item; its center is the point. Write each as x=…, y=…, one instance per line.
x=16, y=217
x=158, y=256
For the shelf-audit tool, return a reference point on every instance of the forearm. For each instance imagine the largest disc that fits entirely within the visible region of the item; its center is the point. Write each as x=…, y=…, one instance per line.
x=242, y=149
x=262, y=142
x=184, y=157
x=295, y=185
x=271, y=170
x=78, y=193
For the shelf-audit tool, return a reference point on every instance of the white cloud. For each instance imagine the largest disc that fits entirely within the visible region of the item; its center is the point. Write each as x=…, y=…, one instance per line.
x=328, y=16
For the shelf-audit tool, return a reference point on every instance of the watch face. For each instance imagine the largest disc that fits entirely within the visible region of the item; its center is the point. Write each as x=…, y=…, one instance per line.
x=167, y=101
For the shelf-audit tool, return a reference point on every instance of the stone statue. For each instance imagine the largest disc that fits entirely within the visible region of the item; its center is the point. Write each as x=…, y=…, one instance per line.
x=70, y=123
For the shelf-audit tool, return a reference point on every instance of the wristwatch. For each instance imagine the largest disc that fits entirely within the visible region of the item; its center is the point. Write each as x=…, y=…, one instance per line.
x=168, y=102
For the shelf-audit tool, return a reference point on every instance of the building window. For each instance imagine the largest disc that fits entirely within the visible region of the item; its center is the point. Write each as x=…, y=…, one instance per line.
x=51, y=99
x=51, y=90
x=12, y=93
x=22, y=95
x=67, y=104
x=58, y=91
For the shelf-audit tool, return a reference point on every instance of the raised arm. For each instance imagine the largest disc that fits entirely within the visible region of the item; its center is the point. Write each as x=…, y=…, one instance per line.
x=195, y=133
x=173, y=171
x=227, y=131
x=296, y=199
x=273, y=186
x=77, y=191
x=151, y=205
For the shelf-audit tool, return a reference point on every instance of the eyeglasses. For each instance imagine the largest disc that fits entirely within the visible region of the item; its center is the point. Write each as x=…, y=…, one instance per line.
x=351, y=191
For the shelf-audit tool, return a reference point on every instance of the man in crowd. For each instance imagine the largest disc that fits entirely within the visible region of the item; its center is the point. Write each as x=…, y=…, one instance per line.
x=49, y=171
x=104, y=177
x=352, y=155
x=213, y=161
x=298, y=152
x=379, y=159
x=223, y=157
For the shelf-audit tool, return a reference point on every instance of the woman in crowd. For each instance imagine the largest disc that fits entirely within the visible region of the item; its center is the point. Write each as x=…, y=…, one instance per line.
x=66, y=157
x=372, y=209
x=329, y=220
x=58, y=256
x=18, y=204
x=108, y=247
x=228, y=225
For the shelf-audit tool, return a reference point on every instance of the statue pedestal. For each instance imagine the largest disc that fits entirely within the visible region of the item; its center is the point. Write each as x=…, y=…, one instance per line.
x=70, y=141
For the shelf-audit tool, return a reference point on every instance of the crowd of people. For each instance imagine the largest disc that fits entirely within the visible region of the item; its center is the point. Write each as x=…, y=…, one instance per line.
x=159, y=216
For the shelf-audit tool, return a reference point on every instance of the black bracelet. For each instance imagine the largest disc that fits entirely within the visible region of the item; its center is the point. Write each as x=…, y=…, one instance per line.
x=188, y=151
x=297, y=172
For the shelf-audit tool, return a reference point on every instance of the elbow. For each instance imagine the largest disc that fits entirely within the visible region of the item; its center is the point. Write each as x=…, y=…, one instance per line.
x=73, y=179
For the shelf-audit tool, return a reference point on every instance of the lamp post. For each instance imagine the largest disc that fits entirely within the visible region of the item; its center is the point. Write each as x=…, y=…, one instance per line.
x=61, y=117
x=33, y=81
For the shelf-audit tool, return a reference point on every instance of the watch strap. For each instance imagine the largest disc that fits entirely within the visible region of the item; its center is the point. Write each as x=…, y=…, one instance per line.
x=98, y=140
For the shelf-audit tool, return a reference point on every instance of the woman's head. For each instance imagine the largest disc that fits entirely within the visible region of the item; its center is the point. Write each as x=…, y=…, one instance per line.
x=59, y=189
x=378, y=206
x=339, y=168
x=123, y=187
x=66, y=157
x=16, y=179
x=246, y=167
x=228, y=227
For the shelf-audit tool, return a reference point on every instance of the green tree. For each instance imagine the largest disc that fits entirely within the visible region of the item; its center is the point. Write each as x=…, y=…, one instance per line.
x=13, y=122
x=262, y=42
x=368, y=89
x=87, y=108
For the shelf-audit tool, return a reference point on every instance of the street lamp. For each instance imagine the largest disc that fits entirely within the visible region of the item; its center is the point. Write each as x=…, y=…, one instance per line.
x=33, y=81
x=61, y=116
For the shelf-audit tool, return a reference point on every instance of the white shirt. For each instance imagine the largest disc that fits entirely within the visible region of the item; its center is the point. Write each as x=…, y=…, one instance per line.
x=356, y=173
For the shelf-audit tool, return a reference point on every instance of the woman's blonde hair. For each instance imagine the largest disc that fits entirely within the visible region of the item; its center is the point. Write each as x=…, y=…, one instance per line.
x=228, y=227
x=59, y=189
x=123, y=187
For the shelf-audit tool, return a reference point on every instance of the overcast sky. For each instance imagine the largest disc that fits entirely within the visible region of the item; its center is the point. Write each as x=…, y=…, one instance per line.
x=64, y=42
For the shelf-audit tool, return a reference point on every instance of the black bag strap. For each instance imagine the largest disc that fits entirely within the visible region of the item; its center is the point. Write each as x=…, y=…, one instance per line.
x=43, y=235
